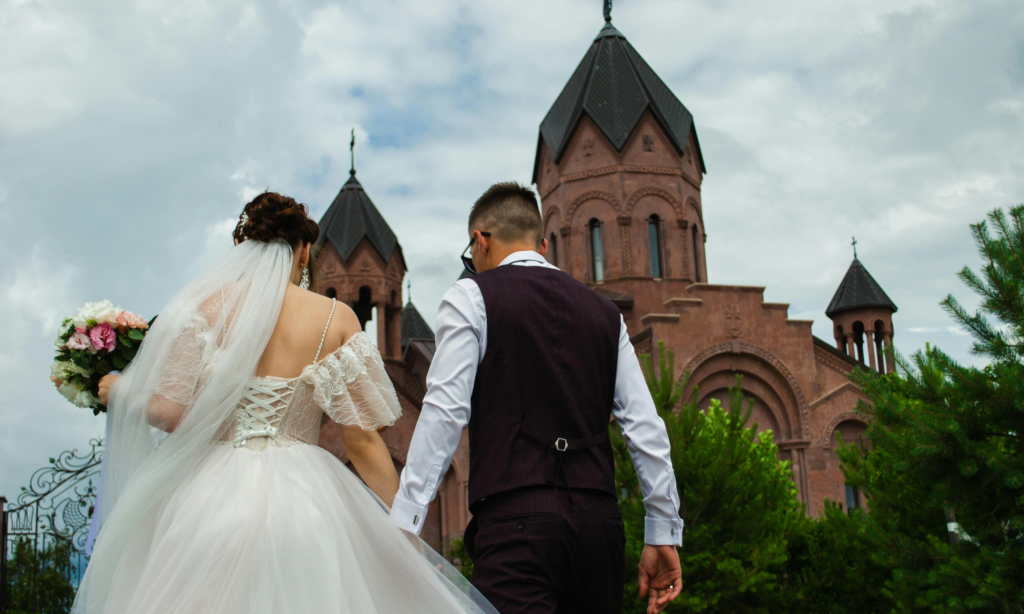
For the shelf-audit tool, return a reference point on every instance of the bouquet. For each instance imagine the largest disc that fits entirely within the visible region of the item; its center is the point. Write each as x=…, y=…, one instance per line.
x=97, y=340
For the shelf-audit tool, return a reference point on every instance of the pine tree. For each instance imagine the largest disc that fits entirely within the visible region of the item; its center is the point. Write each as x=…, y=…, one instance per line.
x=948, y=446
x=830, y=567
x=739, y=502
x=37, y=578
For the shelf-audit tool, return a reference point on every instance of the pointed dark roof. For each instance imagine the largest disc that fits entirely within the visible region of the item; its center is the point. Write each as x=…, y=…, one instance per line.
x=613, y=85
x=351, y=217
x=414, y=327
x=858, y=290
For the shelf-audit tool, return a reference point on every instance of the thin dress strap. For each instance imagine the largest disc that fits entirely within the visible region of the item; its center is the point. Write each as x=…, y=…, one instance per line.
x=334, y=303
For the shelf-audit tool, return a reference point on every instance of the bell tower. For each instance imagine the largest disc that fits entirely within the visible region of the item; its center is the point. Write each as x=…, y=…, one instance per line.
x=362, y=262
x=619, y=169
x=861, y=314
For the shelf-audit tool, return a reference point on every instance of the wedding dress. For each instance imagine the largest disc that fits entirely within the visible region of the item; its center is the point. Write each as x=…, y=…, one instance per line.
x=238, y=510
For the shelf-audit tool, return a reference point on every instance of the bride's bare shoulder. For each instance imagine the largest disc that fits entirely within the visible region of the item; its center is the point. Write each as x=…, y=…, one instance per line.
x=344, y=322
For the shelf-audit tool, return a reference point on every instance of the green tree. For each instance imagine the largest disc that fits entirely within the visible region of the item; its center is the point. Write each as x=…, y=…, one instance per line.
x=458, y=557
x=830, y=567
x=948, y=439
x=738, y=501
x=37, y=579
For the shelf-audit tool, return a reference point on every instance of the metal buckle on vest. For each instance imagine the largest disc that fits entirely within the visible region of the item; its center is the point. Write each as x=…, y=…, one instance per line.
x=561, y=444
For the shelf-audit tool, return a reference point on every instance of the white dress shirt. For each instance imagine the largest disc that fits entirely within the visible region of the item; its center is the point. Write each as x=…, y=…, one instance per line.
x=461, y=343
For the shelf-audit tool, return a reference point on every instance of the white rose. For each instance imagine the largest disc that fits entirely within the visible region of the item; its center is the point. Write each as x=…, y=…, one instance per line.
x=69, y=390
x=69, y=368
x=101, y=312
x=86, y=399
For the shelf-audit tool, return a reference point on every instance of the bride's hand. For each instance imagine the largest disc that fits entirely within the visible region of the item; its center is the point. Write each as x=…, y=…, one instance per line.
x=106, y=383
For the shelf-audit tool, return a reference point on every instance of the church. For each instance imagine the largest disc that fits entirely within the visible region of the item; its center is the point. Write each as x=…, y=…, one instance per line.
x=619, y=170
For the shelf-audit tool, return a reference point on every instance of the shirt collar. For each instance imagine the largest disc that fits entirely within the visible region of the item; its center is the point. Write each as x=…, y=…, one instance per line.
x=524, y=255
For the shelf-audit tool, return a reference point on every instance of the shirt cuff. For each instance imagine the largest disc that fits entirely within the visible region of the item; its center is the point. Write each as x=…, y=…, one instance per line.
x=658, y=531
x=407, y=515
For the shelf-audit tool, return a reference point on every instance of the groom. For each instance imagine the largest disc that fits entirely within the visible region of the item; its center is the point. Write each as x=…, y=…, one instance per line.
x=537, y=363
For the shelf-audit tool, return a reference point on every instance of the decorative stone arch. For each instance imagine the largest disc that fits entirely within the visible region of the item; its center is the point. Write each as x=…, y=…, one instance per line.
x=552, y=211
x=591, y=195
x=456, y=471
x=664, y=194
x=691, y=203
x=825, y=436
x=738, y=347
x=350, y=295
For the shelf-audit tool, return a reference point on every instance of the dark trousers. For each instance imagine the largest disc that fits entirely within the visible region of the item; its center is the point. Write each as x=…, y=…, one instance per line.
x=542, y=550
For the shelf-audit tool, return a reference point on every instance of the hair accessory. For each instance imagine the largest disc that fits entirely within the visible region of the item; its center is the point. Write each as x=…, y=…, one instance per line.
x=241, y=224
x=304, y=282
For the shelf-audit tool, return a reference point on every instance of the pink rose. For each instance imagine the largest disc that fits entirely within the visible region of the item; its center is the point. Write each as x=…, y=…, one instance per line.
x=131, y=320
x=103, y=337
x=79, y=341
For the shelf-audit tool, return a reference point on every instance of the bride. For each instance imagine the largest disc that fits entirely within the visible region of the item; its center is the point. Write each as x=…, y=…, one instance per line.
x=237, y=509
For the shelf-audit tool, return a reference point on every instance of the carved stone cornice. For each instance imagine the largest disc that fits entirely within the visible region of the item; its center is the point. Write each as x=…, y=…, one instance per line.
x=832, y=362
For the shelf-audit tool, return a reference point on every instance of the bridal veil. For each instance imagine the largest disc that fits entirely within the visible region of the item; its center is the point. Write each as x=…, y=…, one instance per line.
x=187, y=379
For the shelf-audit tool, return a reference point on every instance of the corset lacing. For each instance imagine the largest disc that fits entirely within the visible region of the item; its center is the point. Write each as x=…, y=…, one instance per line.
x=260, y=411
x=265, y=401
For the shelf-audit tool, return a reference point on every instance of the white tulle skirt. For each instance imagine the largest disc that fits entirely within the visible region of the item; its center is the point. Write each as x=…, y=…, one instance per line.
x=283, y=530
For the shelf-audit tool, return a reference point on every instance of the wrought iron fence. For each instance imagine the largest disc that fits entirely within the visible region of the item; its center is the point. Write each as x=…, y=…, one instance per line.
x=43, y=533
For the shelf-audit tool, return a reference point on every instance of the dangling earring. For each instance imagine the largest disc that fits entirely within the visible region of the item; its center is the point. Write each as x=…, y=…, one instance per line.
x=304, y=282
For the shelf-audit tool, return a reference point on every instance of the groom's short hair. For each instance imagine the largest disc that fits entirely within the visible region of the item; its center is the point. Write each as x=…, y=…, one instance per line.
x=509, y=211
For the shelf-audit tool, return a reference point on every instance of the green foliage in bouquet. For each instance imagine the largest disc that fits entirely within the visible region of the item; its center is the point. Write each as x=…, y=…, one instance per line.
x=95, y=341
x=739, y=502
x=948, y=446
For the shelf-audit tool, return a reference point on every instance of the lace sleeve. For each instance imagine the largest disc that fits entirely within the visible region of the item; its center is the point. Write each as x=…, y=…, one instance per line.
x=352, y=387
x=179, y=377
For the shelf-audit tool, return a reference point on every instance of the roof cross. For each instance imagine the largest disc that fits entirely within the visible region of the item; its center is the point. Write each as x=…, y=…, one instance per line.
x=352, y=152
x=608, y=11
x=854, y=244
x=408, y=290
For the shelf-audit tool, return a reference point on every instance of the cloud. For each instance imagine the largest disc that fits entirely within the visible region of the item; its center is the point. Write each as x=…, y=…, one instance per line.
x=132, y=133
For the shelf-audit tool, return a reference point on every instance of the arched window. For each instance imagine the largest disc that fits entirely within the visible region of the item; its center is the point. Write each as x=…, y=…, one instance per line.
x=553, y=249
x=880, y=345
x=852, y=498
x=696, y=254
x=596, y=250
x=858, y=340
x=331, y=293
x=364, y=307
x=654, y=243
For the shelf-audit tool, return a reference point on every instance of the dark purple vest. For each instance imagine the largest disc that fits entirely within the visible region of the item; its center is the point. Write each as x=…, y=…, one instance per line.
x=543, y=394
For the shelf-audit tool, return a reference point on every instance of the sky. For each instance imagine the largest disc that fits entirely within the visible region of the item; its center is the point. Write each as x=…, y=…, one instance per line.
x=133, y=132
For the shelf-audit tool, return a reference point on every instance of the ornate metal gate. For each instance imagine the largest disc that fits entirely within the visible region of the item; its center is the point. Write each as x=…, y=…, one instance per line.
x=45, y=531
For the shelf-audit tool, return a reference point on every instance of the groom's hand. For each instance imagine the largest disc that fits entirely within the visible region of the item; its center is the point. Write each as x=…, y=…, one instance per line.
x=660, y=576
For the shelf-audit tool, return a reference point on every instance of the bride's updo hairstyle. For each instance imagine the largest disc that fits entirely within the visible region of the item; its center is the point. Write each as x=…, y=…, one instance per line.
x=272, y=216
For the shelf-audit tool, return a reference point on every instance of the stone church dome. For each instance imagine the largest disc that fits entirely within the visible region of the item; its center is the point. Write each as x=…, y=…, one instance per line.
x=614, y=86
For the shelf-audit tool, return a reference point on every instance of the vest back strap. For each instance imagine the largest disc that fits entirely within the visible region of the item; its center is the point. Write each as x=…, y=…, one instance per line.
x=563, y=444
